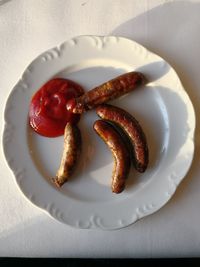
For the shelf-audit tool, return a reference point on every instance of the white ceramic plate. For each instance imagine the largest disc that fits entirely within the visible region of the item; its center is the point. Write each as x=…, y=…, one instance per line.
x=163, y=109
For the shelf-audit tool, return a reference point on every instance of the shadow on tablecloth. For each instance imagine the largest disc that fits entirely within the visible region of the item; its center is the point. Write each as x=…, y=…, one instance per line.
x=171, y=30
x=2, y=2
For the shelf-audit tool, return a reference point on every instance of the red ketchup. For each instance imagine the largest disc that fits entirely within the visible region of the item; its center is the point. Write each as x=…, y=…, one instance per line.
x=48, y=115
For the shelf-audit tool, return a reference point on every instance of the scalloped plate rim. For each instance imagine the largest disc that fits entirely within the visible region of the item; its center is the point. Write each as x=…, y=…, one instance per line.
x=91, y=224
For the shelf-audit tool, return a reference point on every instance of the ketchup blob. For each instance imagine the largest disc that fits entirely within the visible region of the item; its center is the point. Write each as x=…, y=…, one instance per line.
x=48, y=115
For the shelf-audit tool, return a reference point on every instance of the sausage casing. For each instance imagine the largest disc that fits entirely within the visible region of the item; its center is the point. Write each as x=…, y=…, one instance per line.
x=120, y=153
x=110, y=90
x=71, y=153
x=132, y=129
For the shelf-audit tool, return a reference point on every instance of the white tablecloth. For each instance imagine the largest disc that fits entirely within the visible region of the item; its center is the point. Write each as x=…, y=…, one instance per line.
x=168, y=28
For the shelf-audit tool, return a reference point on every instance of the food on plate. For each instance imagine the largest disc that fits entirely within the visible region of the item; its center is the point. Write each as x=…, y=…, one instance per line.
x=55, y=110
x=132, y=128
x=110, y=90
x=48, y=115
x=120, y=153
x=71, y=153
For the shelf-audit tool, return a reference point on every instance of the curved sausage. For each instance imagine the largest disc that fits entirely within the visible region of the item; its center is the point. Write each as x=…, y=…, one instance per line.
x=132, y=129
x=120, y=153
x=110, y=90
x=71, y=153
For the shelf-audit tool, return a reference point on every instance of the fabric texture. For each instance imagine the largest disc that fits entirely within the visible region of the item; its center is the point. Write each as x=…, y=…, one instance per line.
x=168, y=28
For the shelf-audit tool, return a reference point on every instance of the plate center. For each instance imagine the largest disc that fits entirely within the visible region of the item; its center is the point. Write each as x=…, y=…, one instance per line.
x=92, y=178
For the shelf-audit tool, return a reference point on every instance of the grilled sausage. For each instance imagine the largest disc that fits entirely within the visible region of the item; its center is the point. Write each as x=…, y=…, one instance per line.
x=132, y=129
x=71, y=153
x=106, y=92
x=121, y=155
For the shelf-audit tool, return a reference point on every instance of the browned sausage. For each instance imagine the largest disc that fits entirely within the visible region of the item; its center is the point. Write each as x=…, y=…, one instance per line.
x=132, y=129
x=121, y=155
x=106, y=92
x=71, y=153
